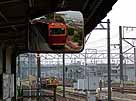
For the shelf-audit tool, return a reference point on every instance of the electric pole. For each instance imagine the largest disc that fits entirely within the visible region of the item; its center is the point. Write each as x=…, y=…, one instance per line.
x=109, y=64
x=121, y=60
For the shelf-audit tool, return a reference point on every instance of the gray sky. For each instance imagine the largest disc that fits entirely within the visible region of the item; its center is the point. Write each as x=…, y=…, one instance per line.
x=122, y=14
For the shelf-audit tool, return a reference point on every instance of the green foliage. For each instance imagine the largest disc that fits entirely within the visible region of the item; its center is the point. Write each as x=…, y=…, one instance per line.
x=59, y=19
x=76, y=37
x=70, y=31
x=74, y=80
x=53, y=16
x=50, y=16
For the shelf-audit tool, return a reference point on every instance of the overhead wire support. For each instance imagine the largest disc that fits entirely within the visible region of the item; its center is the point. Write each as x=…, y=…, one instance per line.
x=125, y=39
x=108, y=60
x=102, y=27
x=88, y=37
x=38, y=76
x=108, y=54
x=64, y=75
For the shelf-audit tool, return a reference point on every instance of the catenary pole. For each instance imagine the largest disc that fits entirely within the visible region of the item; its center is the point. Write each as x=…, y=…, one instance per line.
x=109, y=64
x=63, y=75
x=121, y=59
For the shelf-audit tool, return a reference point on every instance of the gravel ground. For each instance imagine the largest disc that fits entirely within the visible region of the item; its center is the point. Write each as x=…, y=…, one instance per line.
x=124, y=97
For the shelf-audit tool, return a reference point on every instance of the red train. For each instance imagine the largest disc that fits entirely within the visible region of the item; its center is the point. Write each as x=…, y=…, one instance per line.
x=55, y=33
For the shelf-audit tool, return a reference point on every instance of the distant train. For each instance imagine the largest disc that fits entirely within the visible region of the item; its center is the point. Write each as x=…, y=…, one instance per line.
x=49, y=81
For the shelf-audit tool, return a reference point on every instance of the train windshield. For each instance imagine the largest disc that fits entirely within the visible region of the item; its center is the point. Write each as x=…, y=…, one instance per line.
x=57, y=31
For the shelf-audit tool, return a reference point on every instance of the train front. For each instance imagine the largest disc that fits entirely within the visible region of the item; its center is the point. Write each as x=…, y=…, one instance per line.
x=57, y=34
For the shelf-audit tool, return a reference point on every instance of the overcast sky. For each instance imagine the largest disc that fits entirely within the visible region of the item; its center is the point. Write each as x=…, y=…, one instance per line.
x=122, y=14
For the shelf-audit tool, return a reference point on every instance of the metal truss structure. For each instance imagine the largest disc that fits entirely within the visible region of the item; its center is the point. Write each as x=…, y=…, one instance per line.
x=91, y=58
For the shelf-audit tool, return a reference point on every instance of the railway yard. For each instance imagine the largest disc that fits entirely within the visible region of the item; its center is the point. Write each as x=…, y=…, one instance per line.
x=129, y=94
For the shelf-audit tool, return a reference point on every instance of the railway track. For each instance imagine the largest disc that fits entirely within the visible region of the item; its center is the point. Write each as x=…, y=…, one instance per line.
x=47, y=95
x=71, y=96
x=130, y=89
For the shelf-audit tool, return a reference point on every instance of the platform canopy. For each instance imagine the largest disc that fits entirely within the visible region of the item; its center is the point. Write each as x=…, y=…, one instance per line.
x=15, y=16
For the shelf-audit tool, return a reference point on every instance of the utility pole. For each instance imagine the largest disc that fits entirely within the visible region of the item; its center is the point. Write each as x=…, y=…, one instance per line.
x=121, y=60
x=135, y=62
x=63, y=75
x=38, y=77
x=85, y=65
x=108, y=55
x=122, y=37
x=109, y=64
x=87, y=77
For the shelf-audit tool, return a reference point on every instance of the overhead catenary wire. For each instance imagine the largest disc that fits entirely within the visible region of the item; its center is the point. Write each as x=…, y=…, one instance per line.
x=87, y=37
x=104, y=39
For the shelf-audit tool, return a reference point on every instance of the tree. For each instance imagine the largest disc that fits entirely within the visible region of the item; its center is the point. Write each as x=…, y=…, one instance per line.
x=70, y=31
